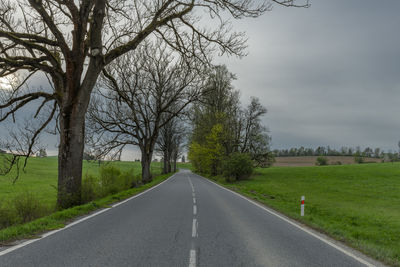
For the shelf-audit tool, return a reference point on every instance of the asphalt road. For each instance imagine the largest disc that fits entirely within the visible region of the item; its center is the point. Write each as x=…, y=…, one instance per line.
x=186, y=221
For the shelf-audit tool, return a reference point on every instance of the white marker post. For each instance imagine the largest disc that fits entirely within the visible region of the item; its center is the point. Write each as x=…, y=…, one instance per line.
x=302, y=206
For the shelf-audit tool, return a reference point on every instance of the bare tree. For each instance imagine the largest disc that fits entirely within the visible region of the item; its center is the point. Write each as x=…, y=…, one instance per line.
x=170, y=143
x=254, y=137
x=139, y=94
x=70, y=42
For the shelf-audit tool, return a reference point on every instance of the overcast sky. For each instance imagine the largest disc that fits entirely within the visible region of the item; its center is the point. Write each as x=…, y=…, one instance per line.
x=328, y=74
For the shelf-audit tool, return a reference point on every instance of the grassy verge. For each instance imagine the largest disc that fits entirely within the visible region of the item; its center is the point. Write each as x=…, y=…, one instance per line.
x=40, y=177
x=356, y=204
x=61, y=218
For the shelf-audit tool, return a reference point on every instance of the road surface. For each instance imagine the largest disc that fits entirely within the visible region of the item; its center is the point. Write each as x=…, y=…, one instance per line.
x=185, y=221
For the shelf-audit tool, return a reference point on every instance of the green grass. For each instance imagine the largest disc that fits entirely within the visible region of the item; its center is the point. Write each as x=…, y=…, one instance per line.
x=186, y=165
x=357, y=204
x=40, y=178
x=60, y=218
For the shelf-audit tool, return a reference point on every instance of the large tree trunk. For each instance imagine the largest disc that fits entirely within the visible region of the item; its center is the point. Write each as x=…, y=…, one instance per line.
x=175, y=159
x=168, y=162
x=146, y=161
x=73, y=107
x=70, y=156
x=165, y=163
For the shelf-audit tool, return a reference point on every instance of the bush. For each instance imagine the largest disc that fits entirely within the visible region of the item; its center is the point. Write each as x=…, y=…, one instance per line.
x=90, y=188
x=7, y=214
x=321, y=161
x=238, y=166
x=128, y=179
x=28, y=207
x=109, y=180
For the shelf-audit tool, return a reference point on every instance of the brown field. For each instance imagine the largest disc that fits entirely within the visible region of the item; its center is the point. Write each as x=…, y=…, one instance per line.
x=310, y=160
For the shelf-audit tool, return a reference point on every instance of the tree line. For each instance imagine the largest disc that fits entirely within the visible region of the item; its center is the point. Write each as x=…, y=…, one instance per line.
x=328, y=151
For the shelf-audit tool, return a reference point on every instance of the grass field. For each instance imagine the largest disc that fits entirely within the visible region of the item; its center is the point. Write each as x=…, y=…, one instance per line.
x=310, y=161
x=358, y=204
x=40, y=177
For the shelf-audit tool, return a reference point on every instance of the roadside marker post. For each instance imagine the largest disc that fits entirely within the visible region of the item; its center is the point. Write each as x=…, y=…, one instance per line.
x=302, y=205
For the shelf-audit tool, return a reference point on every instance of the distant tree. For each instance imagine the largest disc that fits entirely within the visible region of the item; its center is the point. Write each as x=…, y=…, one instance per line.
x=41, y=153
x=320, y=151
x=358, y=157
x=368, y=152
x=350, y=151
x=170, y=143
x=377, y=152
x=254, y=139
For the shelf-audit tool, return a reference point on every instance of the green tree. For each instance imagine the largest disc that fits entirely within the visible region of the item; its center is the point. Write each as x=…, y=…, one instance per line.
x=208, y=157
x=238, y=166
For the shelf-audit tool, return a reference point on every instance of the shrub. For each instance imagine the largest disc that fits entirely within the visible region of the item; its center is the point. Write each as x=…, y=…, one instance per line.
x=238, y=166
x=128, y=179
x=109, y=180
x=7, y=214
x=90, y=188
x=28, y=207
x=321, y=161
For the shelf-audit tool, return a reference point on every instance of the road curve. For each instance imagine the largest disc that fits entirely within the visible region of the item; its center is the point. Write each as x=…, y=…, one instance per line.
x=186, y=221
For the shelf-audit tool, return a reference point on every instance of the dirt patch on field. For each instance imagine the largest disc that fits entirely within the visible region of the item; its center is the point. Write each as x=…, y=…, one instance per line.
x=310, y=161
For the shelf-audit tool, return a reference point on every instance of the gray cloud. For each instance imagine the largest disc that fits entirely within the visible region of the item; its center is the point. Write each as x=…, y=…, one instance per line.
x=329, y=75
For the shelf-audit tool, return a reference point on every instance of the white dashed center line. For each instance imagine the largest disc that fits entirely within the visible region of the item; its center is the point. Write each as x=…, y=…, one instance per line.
x=192, y=260
x=194, y=228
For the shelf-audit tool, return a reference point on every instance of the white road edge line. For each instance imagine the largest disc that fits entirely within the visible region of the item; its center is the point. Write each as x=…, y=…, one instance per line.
x=296, y=225
x=194, y=200
x=192, y=260
x=6, y=251
x=194, y=210
x=194, y=228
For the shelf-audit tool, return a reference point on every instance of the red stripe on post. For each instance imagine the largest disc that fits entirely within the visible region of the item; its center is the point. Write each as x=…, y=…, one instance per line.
x=302, y=202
